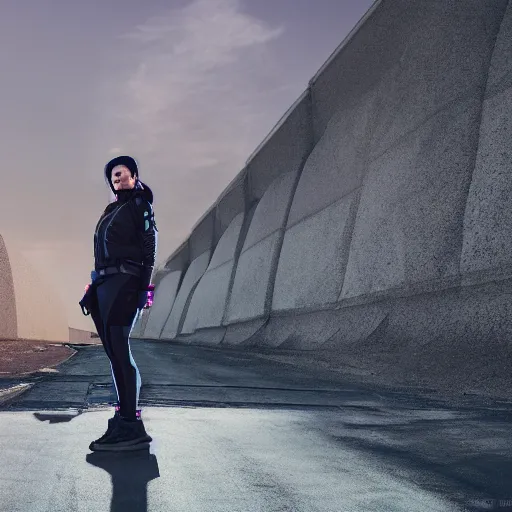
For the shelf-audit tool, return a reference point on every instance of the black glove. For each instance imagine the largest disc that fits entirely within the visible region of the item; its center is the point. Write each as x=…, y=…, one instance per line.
x=86, y=301
x=143, y=298
x=145, y=278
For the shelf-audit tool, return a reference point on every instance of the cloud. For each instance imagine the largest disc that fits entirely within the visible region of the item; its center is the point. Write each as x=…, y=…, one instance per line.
x=188, y=82
x=194, y=103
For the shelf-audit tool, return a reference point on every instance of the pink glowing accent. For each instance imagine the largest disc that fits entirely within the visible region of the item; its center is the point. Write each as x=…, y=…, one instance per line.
x=151, y=295
x=87, y=286
x=137, y=412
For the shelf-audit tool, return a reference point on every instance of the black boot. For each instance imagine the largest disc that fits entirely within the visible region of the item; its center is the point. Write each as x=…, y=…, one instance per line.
x=126, y=435
x=112, y=422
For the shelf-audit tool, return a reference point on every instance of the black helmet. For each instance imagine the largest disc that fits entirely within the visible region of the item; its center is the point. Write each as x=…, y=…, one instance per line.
x=131, y=164
x=127, y=161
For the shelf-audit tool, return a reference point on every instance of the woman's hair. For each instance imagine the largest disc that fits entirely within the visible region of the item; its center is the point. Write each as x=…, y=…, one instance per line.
x=146, y=191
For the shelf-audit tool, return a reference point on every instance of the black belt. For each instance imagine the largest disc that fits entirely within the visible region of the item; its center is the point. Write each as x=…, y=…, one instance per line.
x=122, y=269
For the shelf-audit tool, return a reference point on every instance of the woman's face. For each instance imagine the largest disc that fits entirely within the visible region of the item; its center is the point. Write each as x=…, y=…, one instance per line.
x=122, y=178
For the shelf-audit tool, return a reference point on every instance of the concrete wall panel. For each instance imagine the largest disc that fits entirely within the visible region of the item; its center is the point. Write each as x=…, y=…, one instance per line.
x=202, y=237
x=430, y=51
x=445, y=60
x=179, y=259
x=230, y=204
x=163, y=302
x=211, y=336
x=249, y=294
x=241, y=333
x=270, y=214
x=284, y=149
x=488, y=218
x=312, y=262
x=195, y=271
x=408, y=225
x=338, y=162
x=209, y=300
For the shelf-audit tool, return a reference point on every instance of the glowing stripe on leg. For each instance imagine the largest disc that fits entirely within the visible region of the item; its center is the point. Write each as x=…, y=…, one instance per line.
x=115, y=383
x=139, y=382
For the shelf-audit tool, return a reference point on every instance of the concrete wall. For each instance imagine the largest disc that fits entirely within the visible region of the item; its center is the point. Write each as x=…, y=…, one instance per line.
x=195, y=271
x=163, y=300
x=273, y=171
x=209, y=299
x=29, y=306
x=380, y=226
x=81, y=336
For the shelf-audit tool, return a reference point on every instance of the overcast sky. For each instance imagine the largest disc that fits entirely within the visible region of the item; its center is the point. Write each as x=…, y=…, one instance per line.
x=188, y=87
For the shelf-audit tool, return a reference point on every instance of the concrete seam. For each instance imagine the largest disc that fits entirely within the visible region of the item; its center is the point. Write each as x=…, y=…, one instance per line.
x=506, y=74
x=349, y=233
x=186, y=306
x=354, y=207
x=390, y=147
x=500, y=85
x=254, y=335
x=277, y=126
x=260, y=240
x=244, y=320
x=317, y=135
x=245, y=187
x=478, y=137
x=321, y=209
x=346, y=40
x=329, y=338
x=280, y=238
x=468, y=93
x=174, y=301
x=391, y=295
x=249, y=213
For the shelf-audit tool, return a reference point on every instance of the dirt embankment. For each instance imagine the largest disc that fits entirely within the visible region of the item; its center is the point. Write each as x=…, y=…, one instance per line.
x=20, y=357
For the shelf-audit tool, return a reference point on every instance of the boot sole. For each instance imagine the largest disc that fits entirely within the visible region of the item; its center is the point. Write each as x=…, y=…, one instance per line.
x=104, y=436
x=135, y=444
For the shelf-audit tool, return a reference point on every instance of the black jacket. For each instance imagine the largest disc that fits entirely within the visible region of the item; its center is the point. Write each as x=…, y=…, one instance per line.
x=126, y=232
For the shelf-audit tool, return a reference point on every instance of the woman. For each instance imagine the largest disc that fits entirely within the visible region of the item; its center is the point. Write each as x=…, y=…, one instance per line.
x=124, y=252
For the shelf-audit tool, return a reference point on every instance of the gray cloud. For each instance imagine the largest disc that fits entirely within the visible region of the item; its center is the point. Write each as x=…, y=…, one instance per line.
x=190, y=103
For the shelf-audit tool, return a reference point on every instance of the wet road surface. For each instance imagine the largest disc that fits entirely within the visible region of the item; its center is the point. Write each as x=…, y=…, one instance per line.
x=236, y=432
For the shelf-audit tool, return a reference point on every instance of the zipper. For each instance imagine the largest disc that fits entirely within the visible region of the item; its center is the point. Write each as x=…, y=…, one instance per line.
x=98, y=232
x=106, y=229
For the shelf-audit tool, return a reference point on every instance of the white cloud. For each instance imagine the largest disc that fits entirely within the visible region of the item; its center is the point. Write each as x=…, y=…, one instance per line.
x=194, y=105
x=188, y=83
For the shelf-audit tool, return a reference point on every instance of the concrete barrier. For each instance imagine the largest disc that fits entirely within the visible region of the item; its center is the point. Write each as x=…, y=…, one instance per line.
x=81, y=336
x=209, y=300
x=201, y=245
x=163, y=300
x=274, y=171
x=380, y=231
x=29, y=306
x=487, y=237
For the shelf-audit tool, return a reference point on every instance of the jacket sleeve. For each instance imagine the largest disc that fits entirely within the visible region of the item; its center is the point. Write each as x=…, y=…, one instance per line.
x=147, y=229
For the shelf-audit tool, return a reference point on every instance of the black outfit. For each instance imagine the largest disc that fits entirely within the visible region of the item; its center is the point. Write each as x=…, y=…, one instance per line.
x=124, y=252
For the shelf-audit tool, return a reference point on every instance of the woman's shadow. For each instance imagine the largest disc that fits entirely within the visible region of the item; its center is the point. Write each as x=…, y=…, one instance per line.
x=130, y=472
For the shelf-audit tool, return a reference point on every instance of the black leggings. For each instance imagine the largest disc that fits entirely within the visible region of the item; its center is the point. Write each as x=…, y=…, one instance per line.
x=114, y=313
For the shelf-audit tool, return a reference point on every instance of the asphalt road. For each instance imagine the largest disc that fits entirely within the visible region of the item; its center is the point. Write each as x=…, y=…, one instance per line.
x=236, y=432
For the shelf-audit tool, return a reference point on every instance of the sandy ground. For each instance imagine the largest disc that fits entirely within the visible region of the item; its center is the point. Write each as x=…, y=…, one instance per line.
x=21, y=357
